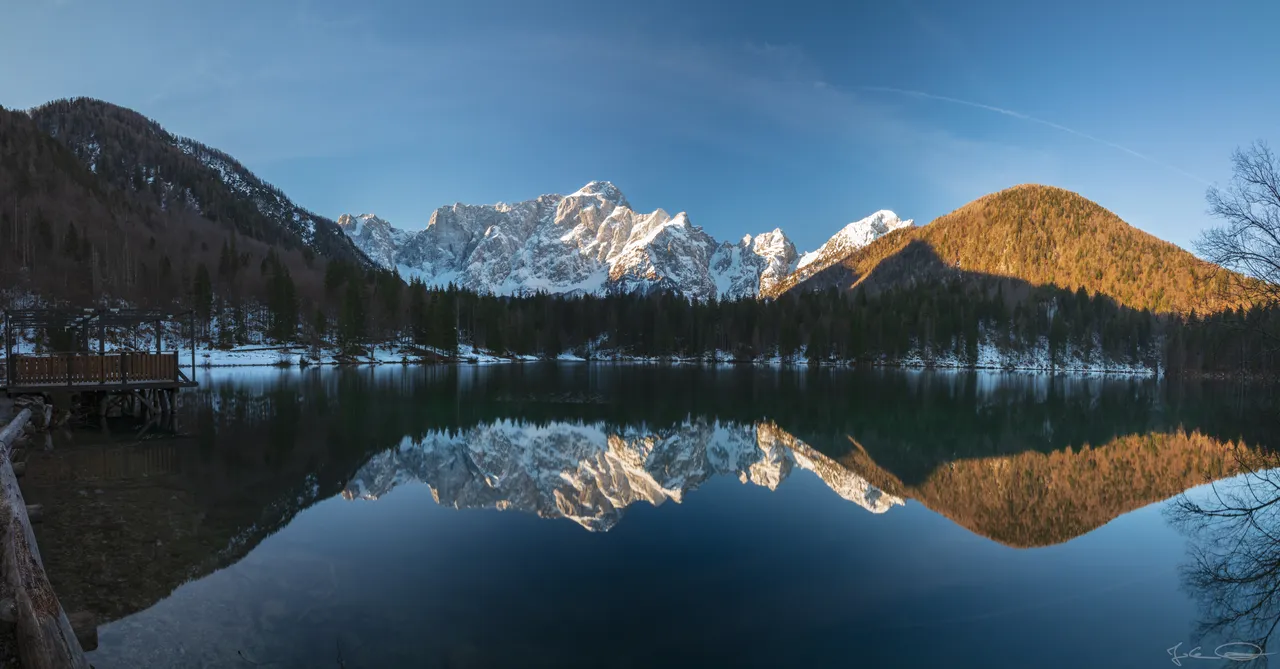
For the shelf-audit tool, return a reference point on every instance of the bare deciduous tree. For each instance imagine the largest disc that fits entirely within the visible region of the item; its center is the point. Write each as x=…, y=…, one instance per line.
x=1248, y=242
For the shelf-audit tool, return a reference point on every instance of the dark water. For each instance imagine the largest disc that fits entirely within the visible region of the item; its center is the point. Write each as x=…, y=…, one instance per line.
x=595, y=516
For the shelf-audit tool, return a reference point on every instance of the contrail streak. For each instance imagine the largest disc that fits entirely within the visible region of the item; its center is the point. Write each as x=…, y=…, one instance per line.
x=1032, y=119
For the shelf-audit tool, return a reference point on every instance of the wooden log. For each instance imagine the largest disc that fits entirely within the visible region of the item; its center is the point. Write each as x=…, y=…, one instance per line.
x=46, y=639
x=10, y=433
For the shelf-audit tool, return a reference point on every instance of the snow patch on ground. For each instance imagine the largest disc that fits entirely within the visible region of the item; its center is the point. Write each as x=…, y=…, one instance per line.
x=478, y=356
x=290, y=356
x=1037, y=359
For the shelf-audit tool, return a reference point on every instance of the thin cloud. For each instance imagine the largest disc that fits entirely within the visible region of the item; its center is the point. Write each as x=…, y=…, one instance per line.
x=1033, y=119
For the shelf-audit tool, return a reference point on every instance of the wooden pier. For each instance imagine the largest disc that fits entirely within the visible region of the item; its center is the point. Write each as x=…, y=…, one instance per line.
x=91, y=371
x=89, y=363
x=145, y=382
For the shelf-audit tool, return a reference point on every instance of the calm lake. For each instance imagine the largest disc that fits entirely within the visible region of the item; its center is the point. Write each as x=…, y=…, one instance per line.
x=576, y=515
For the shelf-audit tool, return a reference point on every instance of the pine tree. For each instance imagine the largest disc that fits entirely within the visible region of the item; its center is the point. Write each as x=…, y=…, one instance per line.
x=335, y=275
x=971, y=336
x=71, y=242
x=418, y=312
x=282, y=305
x=240, y=328
x=202, y=294
x=351, y=325
x=319, y=323
x=445, y=322
x=1057, y=339
x=227, y=262
x=44, y=231
x=388, y=286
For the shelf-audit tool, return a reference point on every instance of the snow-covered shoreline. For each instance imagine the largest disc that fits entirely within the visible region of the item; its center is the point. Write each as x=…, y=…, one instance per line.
x=286, y=356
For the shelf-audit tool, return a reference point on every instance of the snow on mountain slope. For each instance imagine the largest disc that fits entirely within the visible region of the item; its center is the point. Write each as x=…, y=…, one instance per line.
x=851, y=238
x=590, y=241
x=589, y=475
x=753, y=265
x=147, y=164
x=270, y=201
x=376, y=237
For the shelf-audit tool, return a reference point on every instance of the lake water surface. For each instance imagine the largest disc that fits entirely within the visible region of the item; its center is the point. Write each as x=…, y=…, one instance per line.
x=581, y=515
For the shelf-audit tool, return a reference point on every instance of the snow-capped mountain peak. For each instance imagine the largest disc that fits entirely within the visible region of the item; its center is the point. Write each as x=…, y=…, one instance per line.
x=376, y=237
x=354, y=225
x=754, y=264
x=851, y=238
x=590, y=241
x=604, y=190
x=772, y=243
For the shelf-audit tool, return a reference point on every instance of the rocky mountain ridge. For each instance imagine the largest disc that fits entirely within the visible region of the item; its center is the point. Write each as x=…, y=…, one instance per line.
x=592, y=241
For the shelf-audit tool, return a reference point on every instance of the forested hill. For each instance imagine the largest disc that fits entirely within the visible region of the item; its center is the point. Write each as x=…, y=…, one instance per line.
x=97, y=201
x=1040, y=236
x=132, y=153
x=63, y=231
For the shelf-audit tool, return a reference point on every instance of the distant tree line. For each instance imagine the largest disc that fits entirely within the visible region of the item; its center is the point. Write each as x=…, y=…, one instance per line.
x=933, y=322
x=939, y=323
x=948, y=321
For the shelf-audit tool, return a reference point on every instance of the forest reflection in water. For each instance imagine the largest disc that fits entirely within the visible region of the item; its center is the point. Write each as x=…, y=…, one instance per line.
x=1020, y=460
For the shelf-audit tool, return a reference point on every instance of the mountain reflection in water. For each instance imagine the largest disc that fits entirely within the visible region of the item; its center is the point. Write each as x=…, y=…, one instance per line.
x=1020, y=460
x=589, y=475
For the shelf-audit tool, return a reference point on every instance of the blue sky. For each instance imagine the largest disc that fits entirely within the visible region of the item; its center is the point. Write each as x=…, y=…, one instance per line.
x=746, y=118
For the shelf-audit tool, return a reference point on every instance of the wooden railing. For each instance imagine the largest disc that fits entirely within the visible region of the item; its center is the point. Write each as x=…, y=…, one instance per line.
x=71, y=369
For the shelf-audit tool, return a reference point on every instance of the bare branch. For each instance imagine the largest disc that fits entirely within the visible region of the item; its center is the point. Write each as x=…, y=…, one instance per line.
x=1250, y=210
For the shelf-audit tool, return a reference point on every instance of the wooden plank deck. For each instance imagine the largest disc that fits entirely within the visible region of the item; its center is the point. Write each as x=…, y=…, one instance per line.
x=91, y=371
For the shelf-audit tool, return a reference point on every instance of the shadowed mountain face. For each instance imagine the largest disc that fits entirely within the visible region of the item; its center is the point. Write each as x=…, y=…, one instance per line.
x=1023, y=460
x=1038, y=235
